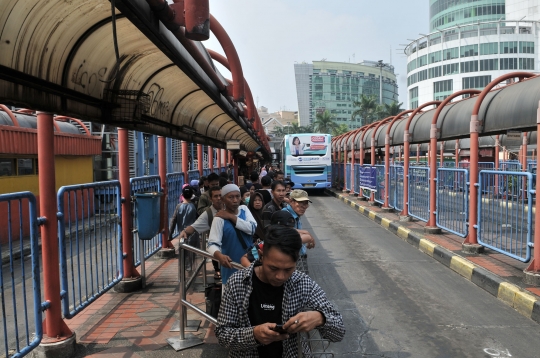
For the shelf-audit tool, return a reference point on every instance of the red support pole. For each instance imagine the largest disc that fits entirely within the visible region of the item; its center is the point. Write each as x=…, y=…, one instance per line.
x=235, y=170
x=524, y=153
x=344, y=168
x=532, y=272
x=497, y=164
x=211, y=158
x=456, y=158
x=373, y=134
x=53, y=325
x=127, y=235
x=219, y=159
x=200, y=159
x=162, y=167
x=185, y=160
x=441, y=155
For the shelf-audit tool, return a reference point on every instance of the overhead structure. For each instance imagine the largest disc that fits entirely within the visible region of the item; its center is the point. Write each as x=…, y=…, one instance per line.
x=60, y=57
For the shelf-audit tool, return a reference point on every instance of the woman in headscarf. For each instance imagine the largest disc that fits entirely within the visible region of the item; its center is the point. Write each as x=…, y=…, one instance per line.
x=256, y=204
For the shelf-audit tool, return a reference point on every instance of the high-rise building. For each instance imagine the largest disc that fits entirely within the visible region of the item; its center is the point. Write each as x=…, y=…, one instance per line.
x=333, y=86
x=471, y=43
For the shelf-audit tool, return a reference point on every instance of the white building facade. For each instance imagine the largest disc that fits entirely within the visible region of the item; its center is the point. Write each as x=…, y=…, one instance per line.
x=466, y=55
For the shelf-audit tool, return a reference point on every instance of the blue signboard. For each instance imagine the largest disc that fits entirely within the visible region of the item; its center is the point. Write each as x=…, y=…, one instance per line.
x=368, y=178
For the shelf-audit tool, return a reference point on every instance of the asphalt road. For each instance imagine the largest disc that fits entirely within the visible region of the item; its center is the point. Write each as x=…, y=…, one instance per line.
x=398, y=302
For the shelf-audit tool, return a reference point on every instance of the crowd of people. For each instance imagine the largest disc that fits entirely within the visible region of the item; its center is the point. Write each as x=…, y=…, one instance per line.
x=259, y=225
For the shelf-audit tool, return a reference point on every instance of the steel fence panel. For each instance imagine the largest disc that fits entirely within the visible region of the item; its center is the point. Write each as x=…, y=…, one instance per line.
x=147, y=184
x=348, y=177
x=20, y=285
x=453, y=200
x=481, y=165
x=365, y=192
x=418, y=200
x=207, y=171
x=357, y=178
x=175, y=182
x=90, y=241
x=381, y=183
x=193, y=175
x=398, y=177
x=510, y=166
x=505, y=220
x=449, y=164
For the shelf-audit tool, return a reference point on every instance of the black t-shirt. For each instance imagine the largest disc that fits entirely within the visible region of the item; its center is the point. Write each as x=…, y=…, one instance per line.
x=265, y=305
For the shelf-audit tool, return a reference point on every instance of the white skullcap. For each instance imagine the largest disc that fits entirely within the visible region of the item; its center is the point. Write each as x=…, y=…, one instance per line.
x=228, y=188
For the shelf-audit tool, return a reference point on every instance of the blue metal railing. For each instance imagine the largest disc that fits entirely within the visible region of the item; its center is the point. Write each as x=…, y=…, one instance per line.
x=90, y=241
x=207, y=171
x=223, y=169
x=510, y=166
x=348, y=185
x=175, y=181
x=453, y=200
x=365, y=192
x=505, y=220
x=20, y=284
x=481, y=165
x=147, y=184
x=216, y=170
x=449, y=165
x=418, y=200
x=356, y=179
x=381, y=183
x=395, y=193
x=193, y=175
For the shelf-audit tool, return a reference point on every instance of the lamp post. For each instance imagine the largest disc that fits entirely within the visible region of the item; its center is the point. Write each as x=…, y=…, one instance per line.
x=380, y=64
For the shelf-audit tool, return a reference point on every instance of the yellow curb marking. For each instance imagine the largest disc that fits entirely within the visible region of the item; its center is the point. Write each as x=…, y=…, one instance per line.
x=462, y=266
x=361, y=209
x=507, y=293
x=403, y=232
x=372, y=215
x=524, y=303
x=385, y=222
x=427, y=247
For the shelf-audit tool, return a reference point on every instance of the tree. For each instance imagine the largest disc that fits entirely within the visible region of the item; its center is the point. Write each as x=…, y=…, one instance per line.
x=341, y=129
x=367, y=109
x=392, y=109
x=324, y=123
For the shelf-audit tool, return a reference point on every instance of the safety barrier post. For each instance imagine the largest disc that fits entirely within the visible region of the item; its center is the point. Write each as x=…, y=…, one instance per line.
x=167, y=250
x=132, y=280
x=58, y=335
x=532, y=272
x=345, y=165
x=211, y=158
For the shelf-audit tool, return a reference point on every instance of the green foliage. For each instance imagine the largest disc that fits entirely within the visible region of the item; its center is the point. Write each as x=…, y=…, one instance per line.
x=341, y=129
x=370, y=111
x=324, y=123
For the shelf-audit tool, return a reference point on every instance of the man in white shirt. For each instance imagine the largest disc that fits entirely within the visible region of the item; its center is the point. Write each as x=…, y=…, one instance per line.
x=232, y=231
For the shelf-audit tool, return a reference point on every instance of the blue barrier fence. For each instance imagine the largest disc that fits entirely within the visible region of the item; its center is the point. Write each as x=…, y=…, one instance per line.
x=381, y=183
x=395, y=194
x=348, y=185
x=147, y=184
x=453, y=200
x=505, y=218
x=216, y=170
x=365, y=192
x=175, y=181
x=510, y=166
x=20, y=285
x=356, y=188
x=90, y=241
x=193, y=175
x=207, y=171
x=418, y=200
x=481, y=165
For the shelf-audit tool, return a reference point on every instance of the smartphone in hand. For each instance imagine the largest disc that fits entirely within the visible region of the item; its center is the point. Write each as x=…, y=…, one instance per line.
x=279, y=328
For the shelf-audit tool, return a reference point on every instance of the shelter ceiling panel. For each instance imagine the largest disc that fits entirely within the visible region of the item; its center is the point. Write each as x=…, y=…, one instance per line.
x=349, y=140
x=367, y=137
x=455, y=118
x=380, y=135
x=421, y=125
x=396, y=137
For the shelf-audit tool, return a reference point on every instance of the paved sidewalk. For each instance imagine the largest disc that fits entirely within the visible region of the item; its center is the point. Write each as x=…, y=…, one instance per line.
x=496, y=273
x=137, y=324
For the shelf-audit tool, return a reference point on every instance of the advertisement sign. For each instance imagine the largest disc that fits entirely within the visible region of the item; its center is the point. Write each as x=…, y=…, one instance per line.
x=368, y=178
x=308, y=149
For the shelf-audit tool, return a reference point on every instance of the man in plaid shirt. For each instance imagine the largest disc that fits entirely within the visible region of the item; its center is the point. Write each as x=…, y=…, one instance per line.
x=271, y=292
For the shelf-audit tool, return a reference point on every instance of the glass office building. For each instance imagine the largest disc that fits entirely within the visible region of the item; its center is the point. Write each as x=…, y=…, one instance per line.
x=333, y=86
x=471, y=44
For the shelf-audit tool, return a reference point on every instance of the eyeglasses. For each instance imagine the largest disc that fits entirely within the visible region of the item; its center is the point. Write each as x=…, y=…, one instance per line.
x=302, y=203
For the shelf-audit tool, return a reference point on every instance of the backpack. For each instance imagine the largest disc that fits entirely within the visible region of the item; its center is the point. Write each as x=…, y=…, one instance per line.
x=210, y=216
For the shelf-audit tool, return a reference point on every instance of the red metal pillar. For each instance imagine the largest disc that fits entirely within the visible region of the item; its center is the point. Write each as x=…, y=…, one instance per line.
x=441, y=155
x=345, y=167
x=532, y=272
x=235, y=170
x=123, y=173
x=524, y=152
x=53, y=325
x=162, y=167
x=200, y=159
x=497, y=143
x=373, y=134
x=185, y=160
x=211, y=158
x=219, y=159
x=456, y=158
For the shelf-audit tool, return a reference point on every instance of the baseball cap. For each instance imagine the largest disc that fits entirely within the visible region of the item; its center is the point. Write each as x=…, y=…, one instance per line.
x=299, y=195
x=282, y=217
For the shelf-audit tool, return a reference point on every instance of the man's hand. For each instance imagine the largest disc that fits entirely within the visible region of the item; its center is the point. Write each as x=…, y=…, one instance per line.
x=265, y=335
x=183, y=234
x=224, y=260
x=225, y=215
x=307, y=239
x=304, y=322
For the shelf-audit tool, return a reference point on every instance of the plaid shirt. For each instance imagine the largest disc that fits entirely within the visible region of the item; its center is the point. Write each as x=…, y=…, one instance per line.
x=235, y=332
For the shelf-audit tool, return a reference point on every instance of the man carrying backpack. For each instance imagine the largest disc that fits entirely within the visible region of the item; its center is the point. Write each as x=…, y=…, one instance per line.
x=204, y=200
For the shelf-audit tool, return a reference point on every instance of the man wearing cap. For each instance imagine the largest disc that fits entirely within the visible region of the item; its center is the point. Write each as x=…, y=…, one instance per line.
x=298, y=204
x=277, y=203
x=232, y=231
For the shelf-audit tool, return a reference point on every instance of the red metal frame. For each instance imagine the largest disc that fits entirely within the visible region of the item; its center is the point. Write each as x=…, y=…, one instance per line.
x=200, y=159
x=162, y=166
x=373, y=133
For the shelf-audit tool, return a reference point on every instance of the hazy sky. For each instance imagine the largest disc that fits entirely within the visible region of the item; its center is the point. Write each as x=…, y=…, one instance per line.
x=270, y=36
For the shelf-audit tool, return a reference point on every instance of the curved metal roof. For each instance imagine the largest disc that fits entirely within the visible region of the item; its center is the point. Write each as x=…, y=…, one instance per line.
x=512, y=107
x=58, y=56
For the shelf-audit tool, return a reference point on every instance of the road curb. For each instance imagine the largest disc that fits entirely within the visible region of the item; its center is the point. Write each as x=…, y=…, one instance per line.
x=514, y=296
